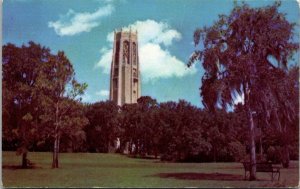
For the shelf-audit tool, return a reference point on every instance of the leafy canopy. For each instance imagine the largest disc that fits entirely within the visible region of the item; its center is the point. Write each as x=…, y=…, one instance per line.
x=239, y=53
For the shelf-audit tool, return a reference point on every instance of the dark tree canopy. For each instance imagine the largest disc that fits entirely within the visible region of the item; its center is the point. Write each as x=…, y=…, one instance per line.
x=40, y=90
x=247, y=54
x=238, y=49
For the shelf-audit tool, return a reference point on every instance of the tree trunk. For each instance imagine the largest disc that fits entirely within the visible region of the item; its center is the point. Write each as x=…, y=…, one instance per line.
x=107, y=147
x=214, y=154
x=277, y=121
x=252, y=146
x=55, y=153
x=285, y=156
x=247, y=90
x=24, y=160
x=130, y=147
x=137, y=149
x=56, y=140
x=261, y=146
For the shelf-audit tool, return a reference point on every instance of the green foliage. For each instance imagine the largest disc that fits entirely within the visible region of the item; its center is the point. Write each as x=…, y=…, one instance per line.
x=21, y=70
x=103, y=128
x=236, y=53
x=38, y=103
x=237, y=150
x=273, y=154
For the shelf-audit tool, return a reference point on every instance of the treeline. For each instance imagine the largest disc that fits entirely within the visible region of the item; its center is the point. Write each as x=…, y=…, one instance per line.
x=42, y=112
x=171, y=131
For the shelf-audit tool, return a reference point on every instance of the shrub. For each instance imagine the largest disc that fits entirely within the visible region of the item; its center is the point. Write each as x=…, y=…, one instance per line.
x=237, y=150
x=273, y=154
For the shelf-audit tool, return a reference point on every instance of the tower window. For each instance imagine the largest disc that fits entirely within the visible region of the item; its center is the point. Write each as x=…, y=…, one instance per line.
x=126, y=52
x=134, y=53
x=117, y=52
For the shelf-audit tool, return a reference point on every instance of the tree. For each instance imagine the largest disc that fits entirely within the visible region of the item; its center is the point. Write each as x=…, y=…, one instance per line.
x=238, y=56
x=130, y=120
x=21, y=69
x=286, y=111
x=181, y=132
x=103, y=128
x=40, y=89
x=148, y=129
x=59, y=93
x=73, y=123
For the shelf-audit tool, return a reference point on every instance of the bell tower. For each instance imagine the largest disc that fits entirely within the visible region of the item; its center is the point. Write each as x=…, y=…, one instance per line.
x=125, y=83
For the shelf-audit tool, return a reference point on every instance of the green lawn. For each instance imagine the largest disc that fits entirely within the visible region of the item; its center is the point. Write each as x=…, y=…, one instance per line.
x=114, y=170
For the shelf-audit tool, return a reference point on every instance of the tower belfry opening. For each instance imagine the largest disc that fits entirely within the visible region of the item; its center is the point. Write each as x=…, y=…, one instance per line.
x=125, y=83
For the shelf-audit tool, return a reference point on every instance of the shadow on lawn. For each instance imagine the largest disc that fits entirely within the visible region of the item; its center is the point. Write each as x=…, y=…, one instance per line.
x=201, y=176
x=14, y=167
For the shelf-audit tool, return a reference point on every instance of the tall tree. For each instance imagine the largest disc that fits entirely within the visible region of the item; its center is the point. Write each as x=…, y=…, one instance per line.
x=21, y=69
x=103, y=128
x=41, y=88
x=147, y=126
x=59, y=93
x=286, y=111
x=130, y=120
x=237, y=57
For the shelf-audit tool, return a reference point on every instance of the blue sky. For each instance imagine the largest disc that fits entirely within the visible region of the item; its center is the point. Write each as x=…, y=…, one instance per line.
x=83, y=29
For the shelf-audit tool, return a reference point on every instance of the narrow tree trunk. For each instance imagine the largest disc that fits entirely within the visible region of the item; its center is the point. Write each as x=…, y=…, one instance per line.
x=54, y=160
x=155, y=152
x=24, y=160
x=252, y=146
x=130, y=147
x=137, y=149
x=285, y=156
x=260, y=147
x=246, y=90
x=214, y=154
x=277, y=121
x=56, y=140
x=55, y=152
x=107, y=147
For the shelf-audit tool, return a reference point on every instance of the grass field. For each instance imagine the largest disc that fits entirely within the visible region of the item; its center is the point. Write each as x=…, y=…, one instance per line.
x=114, y=170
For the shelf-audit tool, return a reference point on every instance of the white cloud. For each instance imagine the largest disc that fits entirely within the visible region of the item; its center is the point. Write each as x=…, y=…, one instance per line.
x=103, y=93
x=155, y=60
x=74, y=23
x=105, y=61
x=159, y=63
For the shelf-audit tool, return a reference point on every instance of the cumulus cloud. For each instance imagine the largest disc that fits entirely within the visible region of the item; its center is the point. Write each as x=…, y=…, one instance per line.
x=74, y=23
x=103, y=93
x=155, y=59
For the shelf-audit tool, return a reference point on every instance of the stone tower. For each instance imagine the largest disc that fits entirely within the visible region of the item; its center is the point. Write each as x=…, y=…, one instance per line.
x=125, y=83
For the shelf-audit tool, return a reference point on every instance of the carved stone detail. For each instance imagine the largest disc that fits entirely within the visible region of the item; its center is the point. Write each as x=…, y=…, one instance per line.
x=126, y=52
x=134, y=53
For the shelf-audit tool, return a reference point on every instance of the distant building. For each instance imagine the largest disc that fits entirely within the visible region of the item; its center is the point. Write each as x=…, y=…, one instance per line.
x=125, y=82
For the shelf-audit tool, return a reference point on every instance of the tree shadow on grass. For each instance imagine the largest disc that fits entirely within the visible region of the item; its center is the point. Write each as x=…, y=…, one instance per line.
x=14, y=167
x=202, y=176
